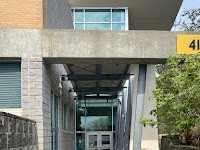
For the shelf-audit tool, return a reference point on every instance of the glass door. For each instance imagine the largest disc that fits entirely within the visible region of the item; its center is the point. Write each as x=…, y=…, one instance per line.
x=105, y=141
x=93, y=142
x=99, y=141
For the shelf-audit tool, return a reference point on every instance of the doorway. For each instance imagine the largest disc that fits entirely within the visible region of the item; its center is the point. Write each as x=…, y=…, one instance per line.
x=99, y=141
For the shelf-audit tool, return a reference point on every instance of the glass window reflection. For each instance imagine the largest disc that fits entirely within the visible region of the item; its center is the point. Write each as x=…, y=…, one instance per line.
x=118, y=26
x=80, y=141
x=118, y=15
x=79, y=15
x=98, y=15
x=98, y=26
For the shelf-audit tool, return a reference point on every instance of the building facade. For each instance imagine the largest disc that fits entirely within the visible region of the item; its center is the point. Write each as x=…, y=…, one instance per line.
x=83, y=88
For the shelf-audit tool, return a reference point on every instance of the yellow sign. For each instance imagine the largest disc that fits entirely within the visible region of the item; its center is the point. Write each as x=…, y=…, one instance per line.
x=188, y=44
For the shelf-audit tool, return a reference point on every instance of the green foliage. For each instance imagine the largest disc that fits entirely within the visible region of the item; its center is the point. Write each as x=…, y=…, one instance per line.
x=178, y=89
x=178, y=98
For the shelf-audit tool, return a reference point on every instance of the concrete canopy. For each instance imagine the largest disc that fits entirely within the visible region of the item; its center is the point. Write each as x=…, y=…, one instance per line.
x=97, y=47
x=143, y=14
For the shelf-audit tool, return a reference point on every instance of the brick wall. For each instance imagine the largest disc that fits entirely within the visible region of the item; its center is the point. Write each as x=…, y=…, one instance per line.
x=17, y=132
x=21, y=14
x=38, y=80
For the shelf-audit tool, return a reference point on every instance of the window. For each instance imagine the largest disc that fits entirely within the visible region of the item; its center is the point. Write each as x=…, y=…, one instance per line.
x=64, y=116
x=10, y=84
x=100, y=19
x=71, y=119
x=54, y=121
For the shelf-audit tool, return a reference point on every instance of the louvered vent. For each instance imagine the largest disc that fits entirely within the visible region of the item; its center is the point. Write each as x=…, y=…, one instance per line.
x=10, y=84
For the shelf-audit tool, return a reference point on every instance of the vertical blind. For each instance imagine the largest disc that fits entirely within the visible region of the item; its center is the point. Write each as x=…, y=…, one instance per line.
x=10, y=84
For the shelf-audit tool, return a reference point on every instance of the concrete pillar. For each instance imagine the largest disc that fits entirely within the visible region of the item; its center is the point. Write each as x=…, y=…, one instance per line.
x=129, y=113
x=139, y=106
x=149, y=135
x=118, y=126
x=122, y=124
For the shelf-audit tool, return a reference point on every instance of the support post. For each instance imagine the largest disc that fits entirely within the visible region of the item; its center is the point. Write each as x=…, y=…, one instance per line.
x=122, y=124
x=118, y=126
x=129, y=113
x=139, y=106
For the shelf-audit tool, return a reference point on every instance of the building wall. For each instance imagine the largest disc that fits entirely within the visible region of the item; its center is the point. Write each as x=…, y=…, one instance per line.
x=58, y=15
x=51, y=80
x=38, y=80
x=21, y=14
x=50, y=14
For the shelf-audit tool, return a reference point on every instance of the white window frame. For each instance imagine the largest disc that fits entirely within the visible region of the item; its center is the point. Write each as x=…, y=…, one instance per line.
x=111, y=8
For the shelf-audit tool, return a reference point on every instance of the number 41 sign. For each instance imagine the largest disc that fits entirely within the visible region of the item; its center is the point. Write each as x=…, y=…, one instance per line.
x=188, y=44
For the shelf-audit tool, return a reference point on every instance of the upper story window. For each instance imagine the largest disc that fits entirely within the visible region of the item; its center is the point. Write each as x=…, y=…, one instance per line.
x=100, y=19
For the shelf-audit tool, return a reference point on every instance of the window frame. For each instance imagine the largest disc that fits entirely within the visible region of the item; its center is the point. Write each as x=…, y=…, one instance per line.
x=111, y=22
x=54, y=120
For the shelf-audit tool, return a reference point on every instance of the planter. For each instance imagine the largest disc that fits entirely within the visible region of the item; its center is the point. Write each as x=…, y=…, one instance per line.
x=174, y=144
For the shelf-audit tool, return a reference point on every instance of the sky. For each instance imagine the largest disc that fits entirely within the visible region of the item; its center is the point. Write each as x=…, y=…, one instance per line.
x=187, y=4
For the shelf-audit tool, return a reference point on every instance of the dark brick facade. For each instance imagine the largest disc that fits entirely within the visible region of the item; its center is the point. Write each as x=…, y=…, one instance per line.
x=17, y=133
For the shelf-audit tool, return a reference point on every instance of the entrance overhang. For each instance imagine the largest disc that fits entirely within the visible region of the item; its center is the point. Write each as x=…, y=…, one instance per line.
x=76, y=46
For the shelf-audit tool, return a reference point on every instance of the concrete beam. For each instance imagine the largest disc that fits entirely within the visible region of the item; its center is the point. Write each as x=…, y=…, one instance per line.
x=76, y=46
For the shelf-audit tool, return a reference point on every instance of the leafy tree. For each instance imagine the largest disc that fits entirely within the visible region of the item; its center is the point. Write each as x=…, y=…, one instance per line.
x=178, y=98
x=178, y=90
x=190, y=20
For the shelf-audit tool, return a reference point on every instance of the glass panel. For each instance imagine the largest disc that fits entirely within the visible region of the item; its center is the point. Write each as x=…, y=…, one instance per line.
x=80, y=116
x=52, y=104
x=98, y=26
x=114, y=118
x=98, y=15
x=92, y=141
x=54, y=140
x=118, y=26
x=72, y=14
x=56, y=110
x=64, y=116
x=79, y=26
x=80, y=141
x=118, y=15
x=105, y=140
x=99, y=119
x=79, y=15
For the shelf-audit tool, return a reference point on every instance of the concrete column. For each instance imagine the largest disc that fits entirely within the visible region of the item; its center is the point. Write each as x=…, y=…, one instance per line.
x=122, y=124
x=134, y=70
x=118, y=125
x=139, y=106
x=129, y=113
x=149, y=134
